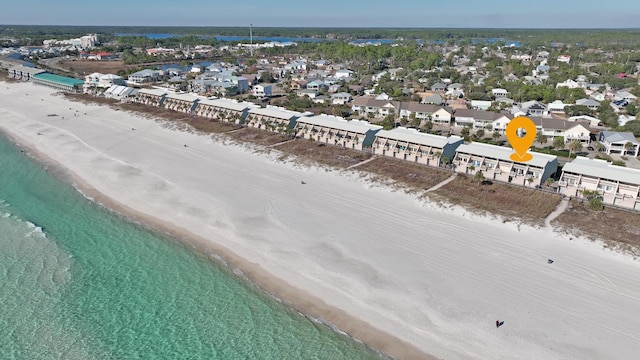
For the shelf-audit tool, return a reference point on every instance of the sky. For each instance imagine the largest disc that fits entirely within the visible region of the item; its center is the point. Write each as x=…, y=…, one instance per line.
x=330, y=13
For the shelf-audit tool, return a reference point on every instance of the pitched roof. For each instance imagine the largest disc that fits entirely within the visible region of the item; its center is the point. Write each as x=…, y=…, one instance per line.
x=276, y=112
x=334, y=122
x=615, y=136
x=415, y=137
x=228, y=104
x=504, y=153
x=479, y=114
x=551, y=123
x=602, y=169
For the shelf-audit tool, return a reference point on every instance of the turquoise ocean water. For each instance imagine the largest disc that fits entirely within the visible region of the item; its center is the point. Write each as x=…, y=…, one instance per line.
x=80, y=282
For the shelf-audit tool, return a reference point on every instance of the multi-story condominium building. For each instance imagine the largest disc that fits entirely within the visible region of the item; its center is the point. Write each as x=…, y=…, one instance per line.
x=153, y=97
x=414, y=146
x=24, y=73
x=333, y=130
x=616, y=184
x=623, y=143
x=224, y=110
x=495, y=164
x=272, y=118
x=185, y=103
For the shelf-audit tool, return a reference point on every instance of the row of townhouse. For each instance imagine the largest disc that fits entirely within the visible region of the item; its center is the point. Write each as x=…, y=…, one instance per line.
x=616, y=185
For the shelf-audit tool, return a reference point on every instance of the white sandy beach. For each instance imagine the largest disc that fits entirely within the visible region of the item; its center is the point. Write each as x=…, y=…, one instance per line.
x=342, y=249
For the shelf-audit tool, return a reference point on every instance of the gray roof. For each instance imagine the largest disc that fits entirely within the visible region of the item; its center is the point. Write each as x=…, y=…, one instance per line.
x=614, y=137
x=504, y=153
x=413, y=136
x=276, y=112
x=228, y=104
x=154, y=92
x=602, y=169
x=183, y=97
x=26, y=69
x=334, y=122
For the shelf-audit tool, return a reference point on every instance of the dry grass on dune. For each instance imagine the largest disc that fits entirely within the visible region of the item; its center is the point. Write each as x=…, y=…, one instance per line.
x=508, y=201
x=618, y=229
x=415, y=177
x=315, y=153
x=257, y=136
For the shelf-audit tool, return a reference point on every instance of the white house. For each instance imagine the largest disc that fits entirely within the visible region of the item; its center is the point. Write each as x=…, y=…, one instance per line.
x=341, y=98
x=593, y=122
x=557, y=106
x=589, y=103
x=616, y=143
x=333, y=130
x=480, y=104
x=579, y=132
x=571, y=84
x=564, y=58
x=343, y=73
x=499, y=93
x=262, y=90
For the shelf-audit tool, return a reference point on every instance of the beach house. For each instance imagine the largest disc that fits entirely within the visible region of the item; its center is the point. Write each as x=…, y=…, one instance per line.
x=623, y=143
x=495, y=164
x=616, y=185
x=272, y=118
x=225, y=110
x=334, y=130
x=414, y=146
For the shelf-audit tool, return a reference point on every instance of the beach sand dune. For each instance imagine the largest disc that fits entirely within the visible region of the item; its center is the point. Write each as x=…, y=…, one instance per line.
x=376, y=262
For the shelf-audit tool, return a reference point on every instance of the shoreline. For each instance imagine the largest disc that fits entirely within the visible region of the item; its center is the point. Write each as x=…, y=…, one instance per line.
x=296, y=299
x=432, y=277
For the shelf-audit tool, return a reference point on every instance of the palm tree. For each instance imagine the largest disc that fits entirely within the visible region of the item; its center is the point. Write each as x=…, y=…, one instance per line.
x=574, y=146
x=628, y=147
x=541, y=138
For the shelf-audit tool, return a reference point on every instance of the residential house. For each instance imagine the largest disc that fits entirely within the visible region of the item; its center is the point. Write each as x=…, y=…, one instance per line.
x=616, y=143
x=625, y=95
x=144, y=76
x=435, y=99
x=564, y=58
x=597, y=96
x=344, y=73
x=571, y=84
x=592, y=121
x=616, y=185
x=480, y=104
x=495, y=164
x=479, y=119
x=533, y=108
x=377, y=108
x=341, y=98
x=262, y=90
x=557, y=106
x=310, y=93
x=499, y=93
x=353, y=134
x=153, y=97
x=551, y=127
x=619, y=105
x=624, y=119
x=273, y=118
x=580, y=132
x=421, y=112
x=317, y=85
x=225, y=110
x=439, y=87
x=378, y=76
x=589, y=103
x=185, y=103
x=414, y=146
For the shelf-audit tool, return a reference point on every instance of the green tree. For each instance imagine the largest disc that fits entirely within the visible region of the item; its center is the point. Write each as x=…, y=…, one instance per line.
x=574, y=147
x=541, y=138
x=631, y=109
x=464, y=132
x=558, y=142
x=628, y=146
x=478, y=177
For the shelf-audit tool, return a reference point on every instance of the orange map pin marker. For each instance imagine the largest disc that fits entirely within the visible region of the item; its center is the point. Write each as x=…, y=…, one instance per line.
x=521, y=144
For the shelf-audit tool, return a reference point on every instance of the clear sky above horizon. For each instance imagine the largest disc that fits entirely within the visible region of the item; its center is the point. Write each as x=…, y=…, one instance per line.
x=329, y=13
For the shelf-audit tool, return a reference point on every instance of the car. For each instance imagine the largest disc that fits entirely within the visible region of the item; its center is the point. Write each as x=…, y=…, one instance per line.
x=590, y=148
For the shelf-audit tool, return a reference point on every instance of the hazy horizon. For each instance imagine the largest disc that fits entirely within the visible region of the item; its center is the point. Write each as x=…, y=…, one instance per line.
x=463, y=14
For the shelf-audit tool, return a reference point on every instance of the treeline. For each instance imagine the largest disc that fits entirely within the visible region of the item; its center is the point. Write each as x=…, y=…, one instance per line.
x=603, y=38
